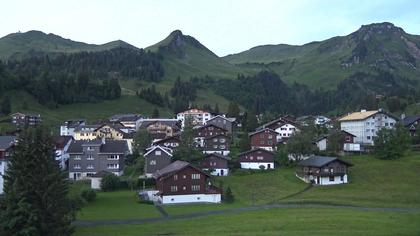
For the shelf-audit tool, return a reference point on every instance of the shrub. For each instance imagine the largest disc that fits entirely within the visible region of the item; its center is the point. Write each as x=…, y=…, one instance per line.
x=110, y=182
x=228, y=196
x=88, y=194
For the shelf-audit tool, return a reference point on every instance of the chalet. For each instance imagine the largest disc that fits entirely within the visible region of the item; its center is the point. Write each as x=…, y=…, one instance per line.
x=68, y=127
x=322, y=170
x=127, y=120
x=196, y=116
x=62, y=144
x=85, y=132
x=161, y=128
x=256, y=159
x=225, y=123
x=365, y=124
x=411, y=123
x=26, y=120
x=345, y=138
x=216, y=164
x=217, y=144
x=283, y=126
x=170, y=142
x=181, y=182
x=265, y=138
x=206, y=131
x=88, y=157
x=156, y=158
x=6, y=145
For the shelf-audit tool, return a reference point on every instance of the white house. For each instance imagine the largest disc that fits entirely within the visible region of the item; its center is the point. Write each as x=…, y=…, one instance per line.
x=68, y=127
x=365, y=124
x=197, y=117
x=283, y=126
x=321, y=120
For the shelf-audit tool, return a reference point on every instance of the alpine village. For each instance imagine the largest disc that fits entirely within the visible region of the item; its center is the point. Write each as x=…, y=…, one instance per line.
x=172, y=139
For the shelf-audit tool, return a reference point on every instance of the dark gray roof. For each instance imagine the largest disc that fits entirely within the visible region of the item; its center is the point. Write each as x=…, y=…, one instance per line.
x=174, y=123
x=80, y=127
x=217, y=155
x=409, y=120
x=261, y=130
x=6, y=142
x=110, y=146
x=126, y=117
x=319, y=161
x=283, y=120
x=254, y=150
x=207, y=125
x=174, y=166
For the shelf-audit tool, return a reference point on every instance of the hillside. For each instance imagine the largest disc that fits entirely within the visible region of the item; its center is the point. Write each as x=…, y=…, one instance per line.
x=33, y=43
x=324, y=64
x=185, y=56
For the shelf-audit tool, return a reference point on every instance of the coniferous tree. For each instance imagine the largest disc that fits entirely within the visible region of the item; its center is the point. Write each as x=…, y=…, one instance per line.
x=6, y=107
x=233, y=110
x=36, y=191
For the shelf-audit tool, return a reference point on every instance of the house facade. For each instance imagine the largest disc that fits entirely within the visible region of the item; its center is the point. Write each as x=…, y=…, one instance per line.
x=256, y=159
x=346, y=140
x=283, y=126
x=365, y=125
x=225, y=123
x=131, y=121
x=411, y=123
x=26, y=120
x=87, y=157
x=217, y=144
x=207, y=131
x=161, y=128
x=85, y=132
x=181, y=182
x=322, y=170
x=156, y=158
x=6, y=145
x=265, y=138
x=216, y=164
x=62, y=144
x=170, y=142
x=196, y=116
x=68, y=127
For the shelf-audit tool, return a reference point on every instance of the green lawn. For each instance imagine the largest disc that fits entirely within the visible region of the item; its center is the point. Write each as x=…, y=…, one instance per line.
x=393, y=183
x=313, y=221
x=117, y=205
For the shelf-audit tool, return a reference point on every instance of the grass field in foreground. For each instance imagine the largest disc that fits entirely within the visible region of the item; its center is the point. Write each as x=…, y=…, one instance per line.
x=117, y=205
x=311, y=221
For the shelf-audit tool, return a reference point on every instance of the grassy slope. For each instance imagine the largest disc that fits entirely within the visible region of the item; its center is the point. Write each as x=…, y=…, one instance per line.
x=89, y=111
x=19, y=44
x=276, y=222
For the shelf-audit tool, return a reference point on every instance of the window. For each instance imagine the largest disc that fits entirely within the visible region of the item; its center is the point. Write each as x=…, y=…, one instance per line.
x=391, y=124
x=184, y=188
x=174, y=188
x=222, y=146
x=215, y=146
x=386, y=124
x=112, y=166
x=367, y=130
x=195, y=176
x=331, y=178
x=215, y=140
x=158, y=153
x=89, y=157
x=342, y=178
x=114, y=157
x=195, y=188
x=175, y=177
x=368, y=137
x=222, y=140
x=260, y=158
x=262, y=142
x=270, y=142
x=153, y=162
x=283, y=128
x=77, y=157
x=270, y=136
x=89, y=148
x=89, y=166
x=184, y=176
x=77, y=166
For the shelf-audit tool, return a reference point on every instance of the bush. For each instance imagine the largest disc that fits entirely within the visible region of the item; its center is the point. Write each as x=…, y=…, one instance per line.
x=110, y=182
x=88, y=194
x=228, y=196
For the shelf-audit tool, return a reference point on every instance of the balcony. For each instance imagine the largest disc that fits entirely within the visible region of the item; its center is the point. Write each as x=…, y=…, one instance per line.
x=321, y=174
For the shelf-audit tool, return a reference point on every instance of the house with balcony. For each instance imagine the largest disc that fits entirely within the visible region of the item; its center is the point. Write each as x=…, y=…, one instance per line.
x=256, y=159
x=197, y=117
x=265, y=138
x=181, y=182
x=68, y=127
x=321, y=170
x=88, y=157
x=6, y=146
x=284, y=127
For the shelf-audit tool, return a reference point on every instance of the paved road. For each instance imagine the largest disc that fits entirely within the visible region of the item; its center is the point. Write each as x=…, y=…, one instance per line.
x=239, y=210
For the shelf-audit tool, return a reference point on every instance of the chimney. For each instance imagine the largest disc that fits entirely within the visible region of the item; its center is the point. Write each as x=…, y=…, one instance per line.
x=363, y=110
x=402, y=116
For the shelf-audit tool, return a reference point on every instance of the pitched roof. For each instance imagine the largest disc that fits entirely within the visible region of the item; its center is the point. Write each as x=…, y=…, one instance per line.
x=6, y=142
x=283, y=120
x=207, y=125
x=126, y=117
x=61, y=141
x=110, y=146
x=254, y=150
x=164, y=149
x=230, y=119
x=176, y=137
x=409, y=120
x=361, y=115
x=83, y=127
x=174, y=167
x=193, y=110
x=319, y=161
x=174, y=123
x=217, y=155
x=261, y=130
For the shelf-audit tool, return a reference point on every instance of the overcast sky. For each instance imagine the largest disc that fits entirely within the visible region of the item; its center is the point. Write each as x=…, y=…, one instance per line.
x=223, y=26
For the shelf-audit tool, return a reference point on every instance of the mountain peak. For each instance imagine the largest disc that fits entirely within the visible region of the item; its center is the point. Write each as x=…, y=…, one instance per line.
x=381, y=28
x=176, y=33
